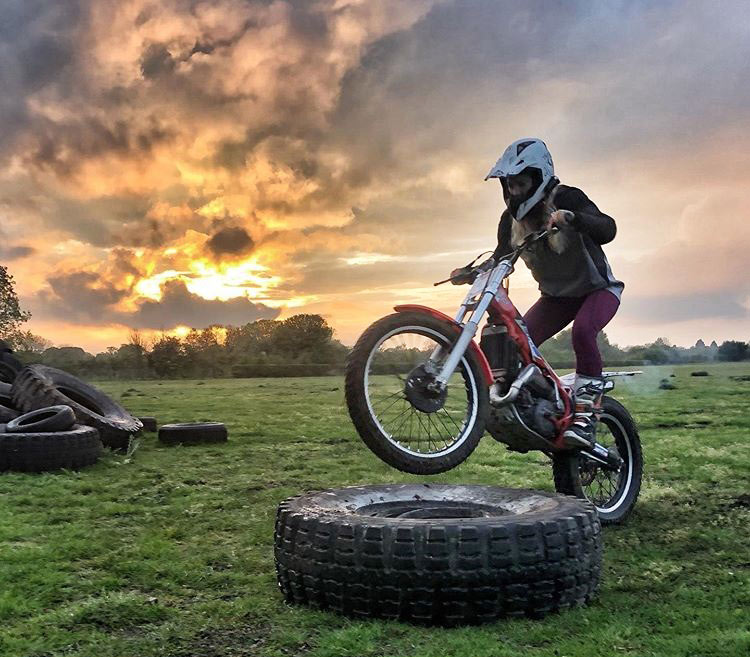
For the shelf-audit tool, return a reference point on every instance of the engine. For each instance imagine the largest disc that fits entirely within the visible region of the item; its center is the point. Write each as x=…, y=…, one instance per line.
x=502, y=354
x=535, y=403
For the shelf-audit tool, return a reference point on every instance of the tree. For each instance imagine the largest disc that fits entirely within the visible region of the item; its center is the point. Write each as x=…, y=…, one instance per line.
x=26, y=341
x=167, y=357
x=203, y=352
x=302, y=334
x=733, y=350
x=11, y=315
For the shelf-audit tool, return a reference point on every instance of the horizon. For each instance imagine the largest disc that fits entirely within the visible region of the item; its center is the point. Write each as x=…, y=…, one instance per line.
x=187, y=165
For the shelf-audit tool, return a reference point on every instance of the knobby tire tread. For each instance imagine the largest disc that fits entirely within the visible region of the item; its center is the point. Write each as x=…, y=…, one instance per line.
x=441, y=572
x=34, y=389
x=360, y=414
x=565, y=466
x=40, y=452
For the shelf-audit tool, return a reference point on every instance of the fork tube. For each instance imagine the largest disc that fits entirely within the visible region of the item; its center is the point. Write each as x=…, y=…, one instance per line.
x=468, y=333
x=470, y=328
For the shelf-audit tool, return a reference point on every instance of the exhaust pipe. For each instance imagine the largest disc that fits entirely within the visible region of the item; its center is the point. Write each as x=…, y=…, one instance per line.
x=527, y=373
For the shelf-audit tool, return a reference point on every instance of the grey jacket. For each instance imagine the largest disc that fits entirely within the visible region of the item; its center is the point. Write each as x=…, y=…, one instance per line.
x=582, y=267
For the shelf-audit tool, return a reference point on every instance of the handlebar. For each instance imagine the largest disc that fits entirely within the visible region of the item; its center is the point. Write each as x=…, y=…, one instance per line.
x=531, y=238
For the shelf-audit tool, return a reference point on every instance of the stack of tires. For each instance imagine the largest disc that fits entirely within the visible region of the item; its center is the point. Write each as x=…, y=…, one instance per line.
x=50, y=419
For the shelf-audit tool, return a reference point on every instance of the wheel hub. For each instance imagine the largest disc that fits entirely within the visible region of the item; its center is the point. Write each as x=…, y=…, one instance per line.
x=422, y=391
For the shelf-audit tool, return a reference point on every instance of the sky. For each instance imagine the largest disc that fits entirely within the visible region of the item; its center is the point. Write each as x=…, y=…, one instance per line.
x=184, y=163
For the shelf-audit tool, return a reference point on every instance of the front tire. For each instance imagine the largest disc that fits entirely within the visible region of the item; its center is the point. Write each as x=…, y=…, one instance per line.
x=412, y=440
x=613, y=494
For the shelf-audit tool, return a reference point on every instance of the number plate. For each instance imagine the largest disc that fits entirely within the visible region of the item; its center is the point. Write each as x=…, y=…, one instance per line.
x=480, y=283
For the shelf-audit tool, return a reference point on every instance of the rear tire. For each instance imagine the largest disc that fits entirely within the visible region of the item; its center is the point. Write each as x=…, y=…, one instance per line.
x=364, y=416
x=576, y=475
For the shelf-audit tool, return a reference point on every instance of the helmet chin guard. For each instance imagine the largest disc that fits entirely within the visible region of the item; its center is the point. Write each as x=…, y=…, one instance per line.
x=523, y=154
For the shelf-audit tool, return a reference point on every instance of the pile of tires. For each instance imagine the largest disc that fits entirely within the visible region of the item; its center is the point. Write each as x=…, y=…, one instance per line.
x=47, y=439
x=438, y=554
x=40, y=386
x=50, y=419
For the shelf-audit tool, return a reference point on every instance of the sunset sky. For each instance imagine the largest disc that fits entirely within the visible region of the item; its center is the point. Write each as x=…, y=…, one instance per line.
x=187, y=163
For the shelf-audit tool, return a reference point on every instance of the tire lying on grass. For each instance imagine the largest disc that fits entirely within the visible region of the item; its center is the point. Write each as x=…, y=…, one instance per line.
x=193, y=433
x=39, y=452
x=437, y=554
x=43, y=420
x=39, y=386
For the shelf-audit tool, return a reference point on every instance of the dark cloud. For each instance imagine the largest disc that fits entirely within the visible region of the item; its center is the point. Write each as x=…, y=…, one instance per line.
x=156, y=61
x=64, y=146
x=9, y=252
x=83, y=297
x=178, y=306
x=80, y=296
x=231, y=240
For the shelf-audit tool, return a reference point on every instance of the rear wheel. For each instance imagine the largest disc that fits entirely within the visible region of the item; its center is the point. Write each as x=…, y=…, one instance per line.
x=614, y=494
x=395, y=407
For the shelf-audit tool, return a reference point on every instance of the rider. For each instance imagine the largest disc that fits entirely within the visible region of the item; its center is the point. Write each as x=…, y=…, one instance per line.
x=574, y=276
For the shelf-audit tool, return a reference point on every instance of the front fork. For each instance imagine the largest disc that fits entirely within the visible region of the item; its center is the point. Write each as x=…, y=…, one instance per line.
x=470, y=328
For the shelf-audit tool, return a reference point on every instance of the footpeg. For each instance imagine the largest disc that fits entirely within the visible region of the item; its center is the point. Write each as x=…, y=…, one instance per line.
x=607, y=456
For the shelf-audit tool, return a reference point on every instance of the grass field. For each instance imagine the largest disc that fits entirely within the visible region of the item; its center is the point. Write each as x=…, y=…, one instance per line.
x=168, y=551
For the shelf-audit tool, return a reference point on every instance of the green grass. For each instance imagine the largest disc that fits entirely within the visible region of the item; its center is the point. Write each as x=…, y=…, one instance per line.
x=168, y=551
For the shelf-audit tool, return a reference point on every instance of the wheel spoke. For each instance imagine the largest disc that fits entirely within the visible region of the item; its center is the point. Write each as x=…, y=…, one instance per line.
x=399, y=358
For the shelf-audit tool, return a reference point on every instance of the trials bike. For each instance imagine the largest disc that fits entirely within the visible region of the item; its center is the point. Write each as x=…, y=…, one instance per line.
x=421, y=394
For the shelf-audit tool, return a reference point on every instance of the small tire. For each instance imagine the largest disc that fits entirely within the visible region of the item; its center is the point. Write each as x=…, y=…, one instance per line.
x=43, y=420
x=44, y=451
x=39, y=386
x=193, y=433
x=149, y=423
x=570, y=470
x=436, y=553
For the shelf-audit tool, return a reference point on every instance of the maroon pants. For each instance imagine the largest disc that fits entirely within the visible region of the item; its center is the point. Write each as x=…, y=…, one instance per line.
x=589, y=314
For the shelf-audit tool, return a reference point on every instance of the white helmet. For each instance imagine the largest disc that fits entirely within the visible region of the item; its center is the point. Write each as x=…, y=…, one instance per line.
x=527, y=153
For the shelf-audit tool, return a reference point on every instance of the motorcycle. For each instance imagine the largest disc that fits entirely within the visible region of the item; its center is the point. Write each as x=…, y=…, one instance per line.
x=421, y=393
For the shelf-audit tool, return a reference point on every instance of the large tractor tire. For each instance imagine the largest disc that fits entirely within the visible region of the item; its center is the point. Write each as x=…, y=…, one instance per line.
x=438, y=554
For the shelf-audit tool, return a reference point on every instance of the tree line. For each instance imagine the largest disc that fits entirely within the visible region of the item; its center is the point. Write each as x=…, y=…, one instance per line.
x=302, y=345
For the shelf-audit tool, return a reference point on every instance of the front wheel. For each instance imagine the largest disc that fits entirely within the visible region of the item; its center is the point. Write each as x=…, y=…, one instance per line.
x=394, y=406
x=612, y=493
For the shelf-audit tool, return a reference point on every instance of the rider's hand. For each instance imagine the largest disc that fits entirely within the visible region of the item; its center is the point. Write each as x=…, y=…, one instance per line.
x=561, y=219
x=462, y=275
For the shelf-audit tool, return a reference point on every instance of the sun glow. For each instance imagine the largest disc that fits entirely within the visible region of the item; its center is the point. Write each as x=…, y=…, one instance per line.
x=210, y=281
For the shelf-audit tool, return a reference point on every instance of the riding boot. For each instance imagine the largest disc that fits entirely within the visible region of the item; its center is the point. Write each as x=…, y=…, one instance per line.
x=588, y=398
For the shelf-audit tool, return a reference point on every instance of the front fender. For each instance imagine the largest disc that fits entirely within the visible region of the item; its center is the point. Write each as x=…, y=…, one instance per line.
x=473, y=346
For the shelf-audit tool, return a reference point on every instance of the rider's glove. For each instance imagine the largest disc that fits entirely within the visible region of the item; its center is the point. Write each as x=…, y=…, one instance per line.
x=487, y=264
x=562, y=219
x=463, y=275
